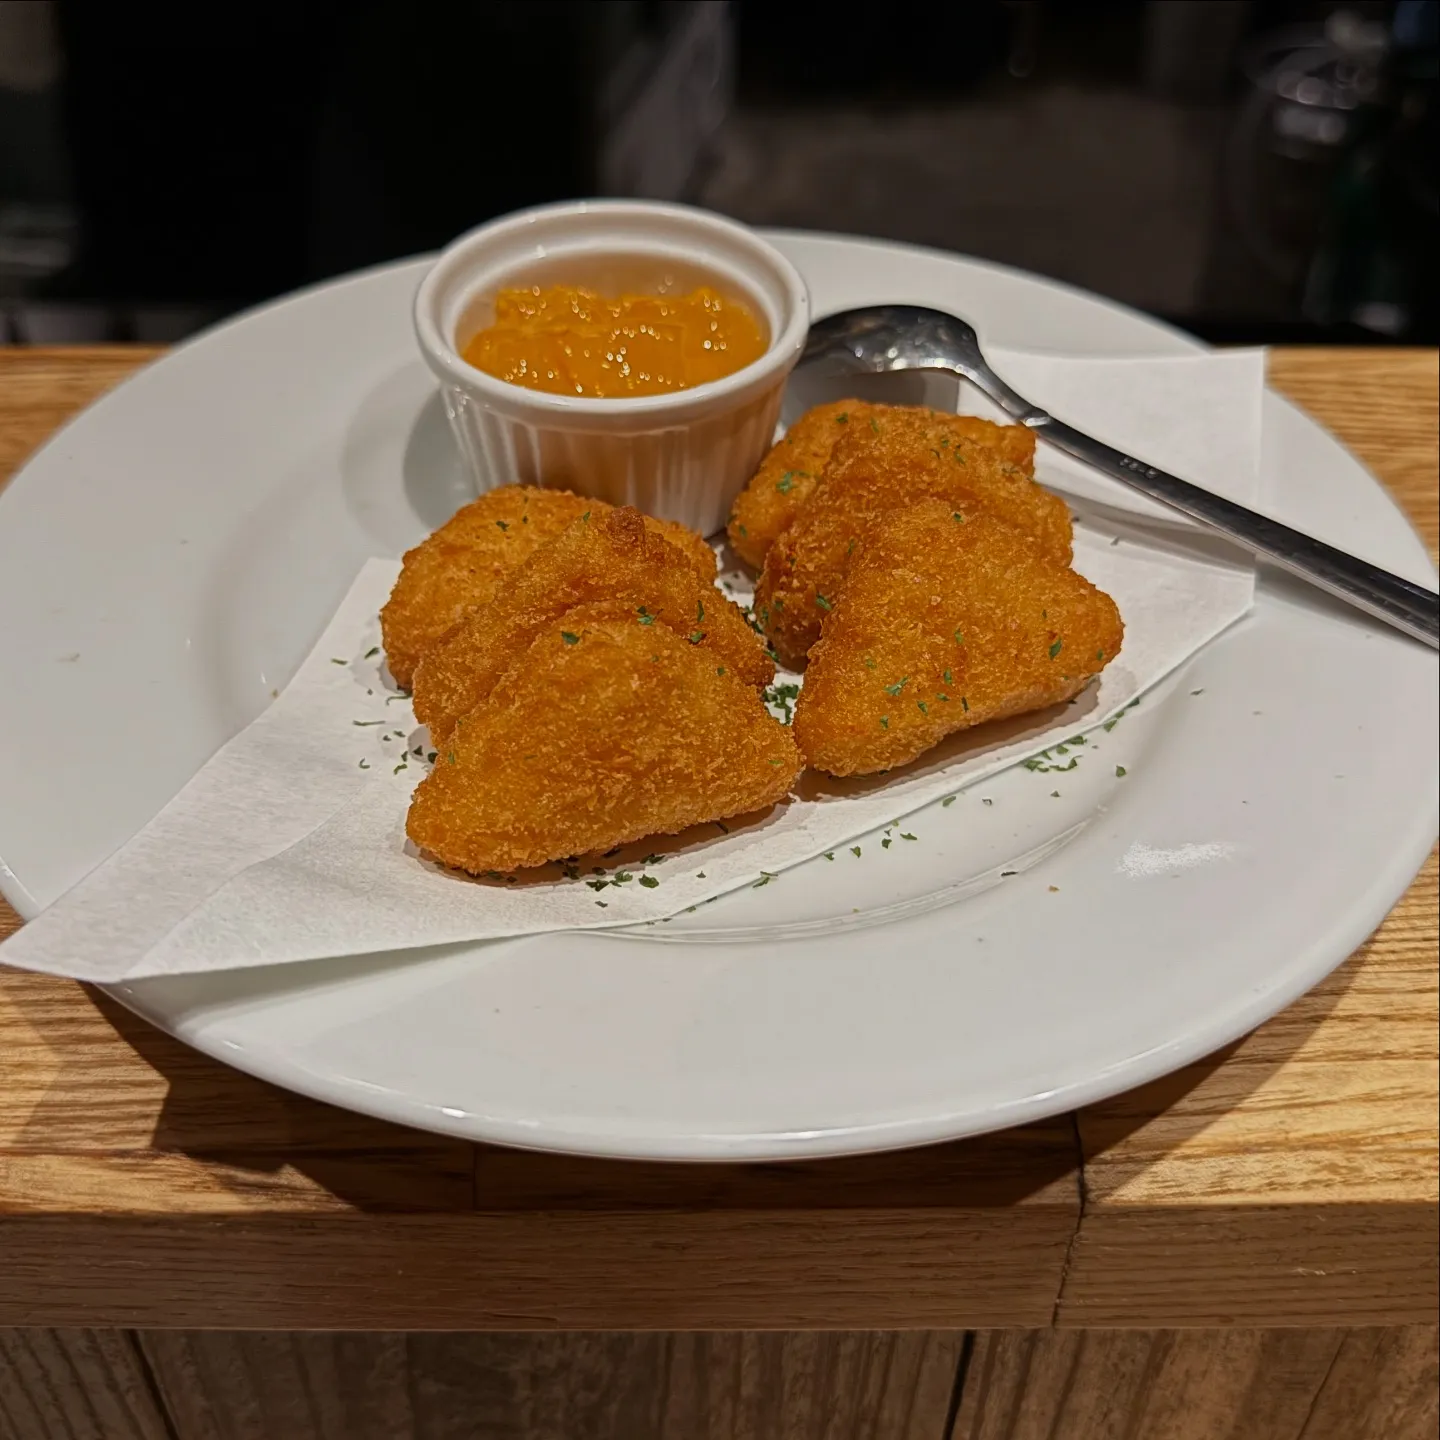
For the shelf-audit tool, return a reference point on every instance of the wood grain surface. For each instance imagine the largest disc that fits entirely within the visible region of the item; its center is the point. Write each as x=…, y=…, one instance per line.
x=1288, y=1181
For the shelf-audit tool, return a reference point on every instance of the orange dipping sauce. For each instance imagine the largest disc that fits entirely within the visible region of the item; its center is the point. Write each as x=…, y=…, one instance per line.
x=571, y=341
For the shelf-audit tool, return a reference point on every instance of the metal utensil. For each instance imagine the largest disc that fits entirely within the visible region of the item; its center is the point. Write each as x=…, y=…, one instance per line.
x=880, y=338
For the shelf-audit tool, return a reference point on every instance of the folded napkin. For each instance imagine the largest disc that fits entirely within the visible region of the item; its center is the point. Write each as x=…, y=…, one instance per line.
x=290, y=843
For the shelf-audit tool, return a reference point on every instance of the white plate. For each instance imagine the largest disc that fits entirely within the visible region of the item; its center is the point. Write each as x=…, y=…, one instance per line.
x=167, y=559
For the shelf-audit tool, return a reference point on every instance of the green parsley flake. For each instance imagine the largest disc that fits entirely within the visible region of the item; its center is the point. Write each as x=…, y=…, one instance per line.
x=843, y=419
x=363, y=723
x=959, y=638
x=646, y=618
x=947, y=802
x=964, y=704
x=956, y=515
x=829, y=854
x=1120, y=772
x=699, y=611
x=948, y=678
x=603, y=904
x=333, y=661
x=695, y=636
x=1056, y=648
x=905, y=835
x=884, y=722
x=649, y=881
x=822, y=602
x=785, y=484
x=719, y=669
x=502, y=524
x=372, y=652
x=898, y=686
x=873, y=425
x=1099, y=654
x=364, y=764
x=765, y=878
x=569, y=637
x=885, y=843
x=922, y=707
x=855, y=851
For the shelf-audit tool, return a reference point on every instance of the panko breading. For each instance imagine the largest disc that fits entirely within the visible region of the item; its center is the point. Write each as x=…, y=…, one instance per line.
x=787, y=475
x=602, y=731
x=897, y=458
x=608, y=558
x=462, y=564
x=945, y=621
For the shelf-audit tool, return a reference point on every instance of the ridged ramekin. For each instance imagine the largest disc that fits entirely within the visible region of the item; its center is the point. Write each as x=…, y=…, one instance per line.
x=680, y=456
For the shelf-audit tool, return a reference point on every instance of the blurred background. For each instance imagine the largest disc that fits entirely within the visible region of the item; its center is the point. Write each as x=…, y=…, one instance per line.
x=1251, y=172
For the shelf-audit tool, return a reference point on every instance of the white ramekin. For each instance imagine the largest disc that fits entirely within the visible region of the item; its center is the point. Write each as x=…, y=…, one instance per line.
x=680, y=456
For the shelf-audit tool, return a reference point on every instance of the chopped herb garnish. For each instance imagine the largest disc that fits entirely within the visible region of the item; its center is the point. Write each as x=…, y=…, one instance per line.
x=855, y=851
x=898, y=686
x=334, y=661
x=1099, y=654
x=597, y=884
x=956, y=515
x=829, y=854
x=603, y=904
x=503, y=525
x=569, y=637
x=948, y=678
x=874, y=426
x=905, y=835
x=843, y=419
x=699, y=611
x=364, y=764
x=948, y=801
x=959, y=638
x=450, y=756
x=585, y=517
x=765, y=878
x=401, y=766
x=1005, y=874
x=1120, y=772
x=372, y=652
x=695, y=636
x=1200, y=691
x=869, y=663
x=1056, y=648
x=884, y=722
x=390, y=699
x=699, y=874
x=987, y=802
x=885, y=843
x=719, y=669
x=1054, y=794
x=363, y=723
x=922, y=707
x=823, y=602
x=786, y=483
x=1076, y=740
x=964, y=704
x=649, y=881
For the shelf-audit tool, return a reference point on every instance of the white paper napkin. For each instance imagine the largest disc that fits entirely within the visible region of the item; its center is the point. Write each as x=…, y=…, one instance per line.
x=290, y=844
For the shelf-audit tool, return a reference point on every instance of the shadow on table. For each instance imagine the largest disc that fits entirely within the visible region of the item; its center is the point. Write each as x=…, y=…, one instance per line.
x=262, y=1144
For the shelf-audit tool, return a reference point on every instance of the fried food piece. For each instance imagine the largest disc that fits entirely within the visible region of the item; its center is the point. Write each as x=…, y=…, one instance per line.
x=787, y=475
x=601, y=732
x=898, y=457
x=462, y=564
x=946, y=622
x=790, y=472
x=614, y=557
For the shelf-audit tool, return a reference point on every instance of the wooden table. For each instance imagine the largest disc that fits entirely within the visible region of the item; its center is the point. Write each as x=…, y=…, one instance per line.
x=1244, y=1250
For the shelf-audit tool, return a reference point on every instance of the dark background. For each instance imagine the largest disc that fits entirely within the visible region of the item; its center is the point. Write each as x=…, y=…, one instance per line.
x=1249, y=171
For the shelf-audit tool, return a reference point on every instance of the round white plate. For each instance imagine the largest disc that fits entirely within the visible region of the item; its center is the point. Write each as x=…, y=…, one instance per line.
x=168, y=558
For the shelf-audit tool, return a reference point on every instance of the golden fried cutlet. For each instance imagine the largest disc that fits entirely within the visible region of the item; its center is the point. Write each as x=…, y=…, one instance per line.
x=787, y=475
x=896, y=458
x=945, y=621
x=613, y=557
x=602, y=731
x=462, y=564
